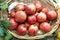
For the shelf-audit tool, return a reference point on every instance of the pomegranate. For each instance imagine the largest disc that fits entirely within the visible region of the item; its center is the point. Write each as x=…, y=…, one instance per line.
x=41, y=17
x=14, y=24
x=20, y=16
x=45, y=27
x=30, y=9
x=12, y=14
x=45, y=10
x=19, y=7
x=38, y=5
x=21, y=30
x=33, y=29
x=51, y=15
x=32, y=19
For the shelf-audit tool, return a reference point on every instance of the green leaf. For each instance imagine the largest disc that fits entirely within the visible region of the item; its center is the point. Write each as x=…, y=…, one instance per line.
x=8, y=36
x=3, y=5
x=6, y=23
x=2, y=31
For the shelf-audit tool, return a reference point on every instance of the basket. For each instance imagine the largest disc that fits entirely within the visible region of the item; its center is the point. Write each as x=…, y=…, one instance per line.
x=54, y=23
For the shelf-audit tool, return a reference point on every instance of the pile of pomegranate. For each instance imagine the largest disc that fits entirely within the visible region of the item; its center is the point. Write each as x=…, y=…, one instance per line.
x=30, y=18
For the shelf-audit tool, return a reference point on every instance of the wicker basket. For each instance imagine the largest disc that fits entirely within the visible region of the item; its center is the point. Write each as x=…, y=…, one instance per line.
x=54, y=23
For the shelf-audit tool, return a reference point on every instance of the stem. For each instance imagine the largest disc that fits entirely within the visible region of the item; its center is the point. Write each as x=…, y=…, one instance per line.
x=1, y=15
x=8, y=1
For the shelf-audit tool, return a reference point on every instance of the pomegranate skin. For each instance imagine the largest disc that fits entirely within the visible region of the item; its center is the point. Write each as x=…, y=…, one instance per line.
x=51, y=15
x=21, y=30
x=30, y=9
x=38, y=5
x=45, y=27
x=20, y=16
x=12, y=14
x=32, y=19
x=45, y=10
x=33, y=29
x=19, y=7
x=14, y=24
x=41, y=17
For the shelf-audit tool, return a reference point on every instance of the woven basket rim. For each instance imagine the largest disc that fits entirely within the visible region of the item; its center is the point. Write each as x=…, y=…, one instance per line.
x=38, y=36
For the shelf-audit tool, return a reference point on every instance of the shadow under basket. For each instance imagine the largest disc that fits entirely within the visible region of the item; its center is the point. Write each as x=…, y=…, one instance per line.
x=54, y=24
